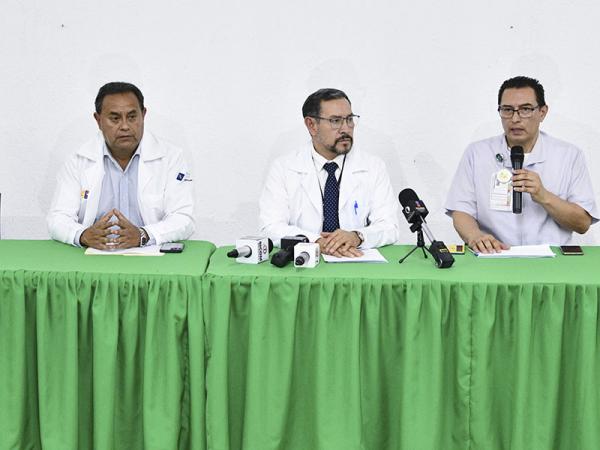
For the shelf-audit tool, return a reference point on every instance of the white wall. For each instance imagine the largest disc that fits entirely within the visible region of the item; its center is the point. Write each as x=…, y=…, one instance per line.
x=226, y=81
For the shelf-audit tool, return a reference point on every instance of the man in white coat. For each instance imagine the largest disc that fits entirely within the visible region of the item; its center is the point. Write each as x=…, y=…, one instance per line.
x=124, y=188
x=339, y=198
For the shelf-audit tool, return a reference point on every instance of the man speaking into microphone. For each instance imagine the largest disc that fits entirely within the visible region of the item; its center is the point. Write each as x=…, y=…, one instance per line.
x=556, y=198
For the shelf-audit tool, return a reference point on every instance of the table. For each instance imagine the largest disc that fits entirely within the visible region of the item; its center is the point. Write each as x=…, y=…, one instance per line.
x=103, y=352
x=490, y=354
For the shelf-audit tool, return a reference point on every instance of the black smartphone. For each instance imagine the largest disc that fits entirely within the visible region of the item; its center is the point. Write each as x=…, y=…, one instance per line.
x=571, y=250
x=172, y=247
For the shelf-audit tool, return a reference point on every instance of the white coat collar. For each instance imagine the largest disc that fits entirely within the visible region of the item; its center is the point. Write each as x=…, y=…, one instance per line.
x=150, y=148
x=303, y=163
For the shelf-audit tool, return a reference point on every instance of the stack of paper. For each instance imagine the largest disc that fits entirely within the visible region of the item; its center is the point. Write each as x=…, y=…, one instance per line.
x=371, y=255
x=521, y=251
x=151, y=250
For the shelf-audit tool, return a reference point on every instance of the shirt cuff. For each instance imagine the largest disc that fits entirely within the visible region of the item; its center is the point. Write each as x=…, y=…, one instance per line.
x=151, y=239
x=76, y=242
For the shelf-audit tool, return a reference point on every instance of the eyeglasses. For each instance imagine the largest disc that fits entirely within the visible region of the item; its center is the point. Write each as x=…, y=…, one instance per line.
x=524, y=112
x=337, y=122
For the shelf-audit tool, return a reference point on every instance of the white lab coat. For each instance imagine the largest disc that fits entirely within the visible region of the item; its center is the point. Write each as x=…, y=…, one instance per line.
x=291, y=201
x=165, y=202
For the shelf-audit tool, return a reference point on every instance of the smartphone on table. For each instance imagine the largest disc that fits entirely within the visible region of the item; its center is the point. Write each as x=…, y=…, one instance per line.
x=571, y=250
x=172, y=247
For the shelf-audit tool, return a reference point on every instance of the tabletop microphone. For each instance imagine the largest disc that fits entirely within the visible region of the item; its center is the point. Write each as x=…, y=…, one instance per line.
x=286, y=253
x=516, y=158
x=307, y=254
x=415, y=211
x=251, y=250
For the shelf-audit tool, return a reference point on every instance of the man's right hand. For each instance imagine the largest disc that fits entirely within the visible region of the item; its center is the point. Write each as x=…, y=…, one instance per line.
x=340, y=243
x=96, y=236
x=478, y=241
x=486, y=243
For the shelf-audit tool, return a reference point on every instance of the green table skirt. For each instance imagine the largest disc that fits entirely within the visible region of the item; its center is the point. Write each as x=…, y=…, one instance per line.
x=112, y=354
x=102, y=363
x=296, y=362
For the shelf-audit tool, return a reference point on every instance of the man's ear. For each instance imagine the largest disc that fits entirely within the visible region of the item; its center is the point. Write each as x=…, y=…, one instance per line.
x=543, y=112
x=311, y=125
x=97, y=118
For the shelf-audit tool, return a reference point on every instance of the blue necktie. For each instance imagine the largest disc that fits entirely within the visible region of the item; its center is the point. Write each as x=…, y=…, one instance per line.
x=331, y=221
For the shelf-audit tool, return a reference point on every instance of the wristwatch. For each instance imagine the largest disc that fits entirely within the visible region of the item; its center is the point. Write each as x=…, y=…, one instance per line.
x=144, y=238
x=361, y=238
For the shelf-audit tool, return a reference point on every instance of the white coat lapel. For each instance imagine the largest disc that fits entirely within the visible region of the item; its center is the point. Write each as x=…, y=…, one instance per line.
x=310, y=182
x=150, y=150
x=351, y=178
x=92, y=178
x=93, y=175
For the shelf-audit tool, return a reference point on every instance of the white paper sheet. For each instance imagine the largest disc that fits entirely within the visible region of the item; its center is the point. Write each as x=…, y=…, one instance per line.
x=151, y=250
x=521, y=251
x=371, y=255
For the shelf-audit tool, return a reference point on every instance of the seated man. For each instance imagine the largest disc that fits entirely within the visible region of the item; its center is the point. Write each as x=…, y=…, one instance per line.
x=340, y=198
x=558, y=196
x=123, y=188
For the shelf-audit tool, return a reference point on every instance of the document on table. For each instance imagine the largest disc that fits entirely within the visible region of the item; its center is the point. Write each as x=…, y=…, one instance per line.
x=521, y=251
x=150, y=250
x=371, y=255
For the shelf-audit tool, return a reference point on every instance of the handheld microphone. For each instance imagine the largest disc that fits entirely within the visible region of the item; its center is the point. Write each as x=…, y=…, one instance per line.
x=415, y=211
x=307, y=255
x=251, y=250
x=286, y=254
x=516, y=158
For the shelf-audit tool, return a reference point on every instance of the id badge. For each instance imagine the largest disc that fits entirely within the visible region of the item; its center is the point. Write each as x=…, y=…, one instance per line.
x=501, y=191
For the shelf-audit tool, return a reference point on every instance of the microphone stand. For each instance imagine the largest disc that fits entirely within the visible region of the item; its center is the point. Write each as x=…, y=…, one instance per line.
x=420, y=241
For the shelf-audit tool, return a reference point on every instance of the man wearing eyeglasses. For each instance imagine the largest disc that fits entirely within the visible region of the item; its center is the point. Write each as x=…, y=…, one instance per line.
x=333, y=195
x=558, y=196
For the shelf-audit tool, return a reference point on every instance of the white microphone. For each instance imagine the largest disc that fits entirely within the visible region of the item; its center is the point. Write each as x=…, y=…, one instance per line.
x=307, y=255
x=251, y=250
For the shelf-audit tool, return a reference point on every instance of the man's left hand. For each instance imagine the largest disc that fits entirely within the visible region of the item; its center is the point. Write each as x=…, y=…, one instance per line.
x=340, y=243
x=530, y=182
x=128, y=233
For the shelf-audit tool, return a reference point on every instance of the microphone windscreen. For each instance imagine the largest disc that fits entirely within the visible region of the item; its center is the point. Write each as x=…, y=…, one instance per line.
x=407, y=197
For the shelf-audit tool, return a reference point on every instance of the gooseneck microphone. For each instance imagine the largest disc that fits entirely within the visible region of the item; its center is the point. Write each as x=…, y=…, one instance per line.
x=415, y=211
x=516, y=158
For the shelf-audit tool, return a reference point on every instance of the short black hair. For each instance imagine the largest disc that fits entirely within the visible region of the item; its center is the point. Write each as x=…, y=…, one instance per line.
x=117, y=87
x=523, y=82
x=312, y=105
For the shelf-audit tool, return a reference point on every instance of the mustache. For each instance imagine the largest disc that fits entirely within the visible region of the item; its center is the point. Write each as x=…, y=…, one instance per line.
x=344, y=136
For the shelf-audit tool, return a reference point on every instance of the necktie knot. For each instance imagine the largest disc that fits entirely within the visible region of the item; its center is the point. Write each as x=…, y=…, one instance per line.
x=330, y=167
